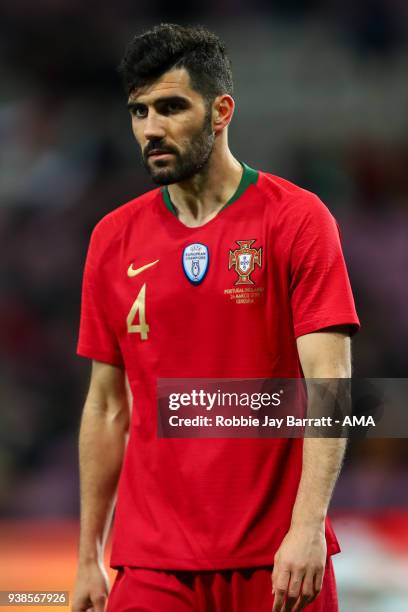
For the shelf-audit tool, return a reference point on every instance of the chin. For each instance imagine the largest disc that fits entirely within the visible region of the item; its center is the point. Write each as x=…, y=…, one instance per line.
x=163, y=177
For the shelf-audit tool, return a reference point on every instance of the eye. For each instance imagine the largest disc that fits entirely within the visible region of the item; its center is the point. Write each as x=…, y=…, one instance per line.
x=139, y=111
x=172, y=107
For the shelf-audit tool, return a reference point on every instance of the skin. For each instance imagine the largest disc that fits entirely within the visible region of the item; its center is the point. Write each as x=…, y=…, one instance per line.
x=156, y=124
x=160, y=123
x=104, y=426
x=300, y=561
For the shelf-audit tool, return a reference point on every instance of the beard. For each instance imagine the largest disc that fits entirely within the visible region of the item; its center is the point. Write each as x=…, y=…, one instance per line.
x=185, y=164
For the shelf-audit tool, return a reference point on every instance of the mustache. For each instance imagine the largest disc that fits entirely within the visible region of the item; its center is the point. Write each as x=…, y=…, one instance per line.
x=157, y=146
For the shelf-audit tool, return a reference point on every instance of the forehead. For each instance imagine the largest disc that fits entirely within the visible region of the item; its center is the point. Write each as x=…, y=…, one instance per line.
x=175, y=82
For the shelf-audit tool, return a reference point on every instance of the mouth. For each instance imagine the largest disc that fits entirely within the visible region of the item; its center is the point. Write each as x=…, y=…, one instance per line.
x=159, y=154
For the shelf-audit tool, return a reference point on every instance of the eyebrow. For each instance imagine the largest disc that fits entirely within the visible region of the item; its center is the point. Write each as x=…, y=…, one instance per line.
x=133, y=104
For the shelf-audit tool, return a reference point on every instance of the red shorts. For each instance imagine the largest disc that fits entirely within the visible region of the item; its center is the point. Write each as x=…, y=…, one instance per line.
x=146, y=590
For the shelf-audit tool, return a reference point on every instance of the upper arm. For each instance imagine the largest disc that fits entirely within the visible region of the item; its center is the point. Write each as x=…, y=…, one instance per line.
x=108, y=391
x=320, y=291
x=325, y=353
x=97, y=337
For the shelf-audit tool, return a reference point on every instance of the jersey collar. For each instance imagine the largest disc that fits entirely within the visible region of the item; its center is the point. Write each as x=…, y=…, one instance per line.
x=249, y=177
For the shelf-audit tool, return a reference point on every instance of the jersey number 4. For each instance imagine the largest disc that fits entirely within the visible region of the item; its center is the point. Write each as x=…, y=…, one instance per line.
x=138, y=306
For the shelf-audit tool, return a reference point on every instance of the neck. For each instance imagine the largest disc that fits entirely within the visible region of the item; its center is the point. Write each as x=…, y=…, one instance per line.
x=199, y=199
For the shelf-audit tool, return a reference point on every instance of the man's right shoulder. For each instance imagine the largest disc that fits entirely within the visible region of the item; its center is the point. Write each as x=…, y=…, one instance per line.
x=111, y=225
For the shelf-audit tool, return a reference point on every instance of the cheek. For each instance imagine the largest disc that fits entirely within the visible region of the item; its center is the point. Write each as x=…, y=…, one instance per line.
x=137, y=132
x=187, y=133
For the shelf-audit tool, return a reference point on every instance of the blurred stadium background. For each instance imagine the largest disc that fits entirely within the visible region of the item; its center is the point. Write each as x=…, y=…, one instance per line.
x=322, y=99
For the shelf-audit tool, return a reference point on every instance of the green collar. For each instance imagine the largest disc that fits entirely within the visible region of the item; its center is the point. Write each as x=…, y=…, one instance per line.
x=249, y=176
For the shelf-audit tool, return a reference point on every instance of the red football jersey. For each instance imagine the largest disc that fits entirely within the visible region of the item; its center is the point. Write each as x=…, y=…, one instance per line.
x=224, y=300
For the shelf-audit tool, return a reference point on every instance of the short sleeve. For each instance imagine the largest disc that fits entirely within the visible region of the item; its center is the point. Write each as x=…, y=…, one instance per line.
x=96, y=336
x=320, y=289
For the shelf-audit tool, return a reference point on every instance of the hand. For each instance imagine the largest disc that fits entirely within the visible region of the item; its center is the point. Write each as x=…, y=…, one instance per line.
x=298, y=569
x=91, y=588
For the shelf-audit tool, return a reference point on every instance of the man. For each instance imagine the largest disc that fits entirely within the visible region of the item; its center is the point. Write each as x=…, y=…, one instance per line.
x=205, y=524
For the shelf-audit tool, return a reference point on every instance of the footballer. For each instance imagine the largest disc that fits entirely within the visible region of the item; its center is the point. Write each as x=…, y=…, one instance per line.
x=221, y=271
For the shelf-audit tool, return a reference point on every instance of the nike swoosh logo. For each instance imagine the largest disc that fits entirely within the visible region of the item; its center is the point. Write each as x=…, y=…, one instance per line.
x=132, y=272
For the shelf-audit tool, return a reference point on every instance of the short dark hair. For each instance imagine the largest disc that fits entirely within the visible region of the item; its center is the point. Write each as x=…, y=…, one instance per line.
x=167, y=46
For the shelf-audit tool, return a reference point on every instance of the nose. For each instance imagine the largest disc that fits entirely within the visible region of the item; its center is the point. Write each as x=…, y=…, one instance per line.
x=153, y=128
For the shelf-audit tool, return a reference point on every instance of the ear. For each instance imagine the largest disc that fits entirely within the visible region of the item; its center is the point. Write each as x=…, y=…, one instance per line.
x=223, y=109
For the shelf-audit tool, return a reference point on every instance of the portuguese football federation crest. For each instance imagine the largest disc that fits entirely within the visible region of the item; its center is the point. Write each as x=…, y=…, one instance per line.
x=243, y=260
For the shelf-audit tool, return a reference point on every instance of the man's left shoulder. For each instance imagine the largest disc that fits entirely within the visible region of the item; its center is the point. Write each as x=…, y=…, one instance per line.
x=291, y=202
x=285, y=191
